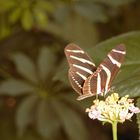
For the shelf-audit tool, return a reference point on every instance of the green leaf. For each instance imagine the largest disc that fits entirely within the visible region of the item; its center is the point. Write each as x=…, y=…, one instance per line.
x=27, y=19
x=47, y=121
x=41, y=17
x=70, y=98
x=25, y=67
x=15, y=87
x=26, y=113
x=91, y=11
x=75, y=29
x=138, y=116
x=5, y=29
x=15, y=15
x=46, y=61
x=62, y=73
x=71, y=121
x=7, y=5
x=45, y=5
x=128, y=79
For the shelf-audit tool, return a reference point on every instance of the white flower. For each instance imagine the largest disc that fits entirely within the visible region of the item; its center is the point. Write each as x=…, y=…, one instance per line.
x=134, y=109
x=113, y=109
x=94, y=114
x=123, y=114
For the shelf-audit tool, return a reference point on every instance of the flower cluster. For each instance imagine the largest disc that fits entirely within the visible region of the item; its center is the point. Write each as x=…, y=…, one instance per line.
x=113, y=109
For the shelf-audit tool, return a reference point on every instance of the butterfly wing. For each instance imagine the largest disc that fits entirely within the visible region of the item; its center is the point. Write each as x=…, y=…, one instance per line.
x=81, y=66
x=101, y=80
x=112, y=64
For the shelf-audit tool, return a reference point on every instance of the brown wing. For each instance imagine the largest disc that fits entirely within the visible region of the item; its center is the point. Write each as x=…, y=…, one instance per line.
x=112, y=64
x=101, y=80
x=81, y=66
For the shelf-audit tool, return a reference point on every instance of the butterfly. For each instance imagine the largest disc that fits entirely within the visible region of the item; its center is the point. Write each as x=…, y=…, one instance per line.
x=87, y=79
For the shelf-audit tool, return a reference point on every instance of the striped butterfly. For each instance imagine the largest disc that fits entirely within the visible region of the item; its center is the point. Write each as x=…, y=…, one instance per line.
x=87, y=79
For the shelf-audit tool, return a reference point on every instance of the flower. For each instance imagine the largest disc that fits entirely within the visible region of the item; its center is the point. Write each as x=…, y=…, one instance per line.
x=113, y=109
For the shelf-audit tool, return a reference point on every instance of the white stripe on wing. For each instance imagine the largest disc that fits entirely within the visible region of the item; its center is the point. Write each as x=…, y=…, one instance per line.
x=108, y=73
x=75, y=51
x=81, y=75
x=117, y=51
x=114, y=61
x=98, y=83
x=82, y=68
x=82, y=60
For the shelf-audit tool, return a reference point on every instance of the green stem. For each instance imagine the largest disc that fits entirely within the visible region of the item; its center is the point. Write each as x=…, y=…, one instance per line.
x=114, y=130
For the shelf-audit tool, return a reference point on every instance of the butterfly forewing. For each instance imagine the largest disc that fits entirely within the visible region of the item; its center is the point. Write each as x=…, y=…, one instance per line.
x=101, y=80
x=81, y=66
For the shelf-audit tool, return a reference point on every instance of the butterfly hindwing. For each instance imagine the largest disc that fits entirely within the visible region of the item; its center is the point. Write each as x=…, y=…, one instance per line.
x=81, y=66
x=76, y=82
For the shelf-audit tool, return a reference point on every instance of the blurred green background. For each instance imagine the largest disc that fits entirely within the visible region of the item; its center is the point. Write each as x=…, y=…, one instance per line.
x=36, y=99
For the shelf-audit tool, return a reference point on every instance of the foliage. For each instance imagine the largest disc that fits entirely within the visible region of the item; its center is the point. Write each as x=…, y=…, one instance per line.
x=36, y=15
x=43, y=88
x=42, y=103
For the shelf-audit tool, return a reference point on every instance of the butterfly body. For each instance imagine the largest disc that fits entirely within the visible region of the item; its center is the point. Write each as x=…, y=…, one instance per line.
x=87, y=79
